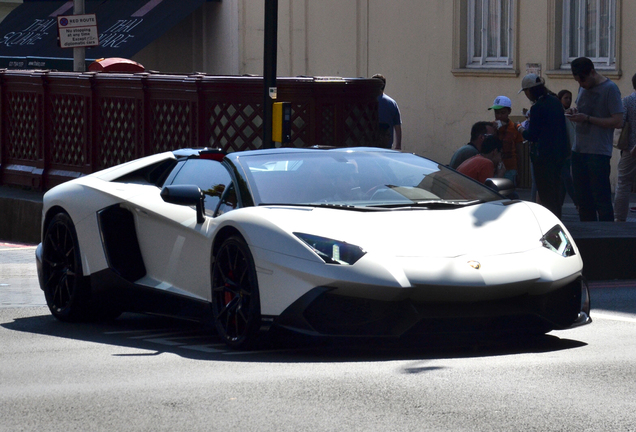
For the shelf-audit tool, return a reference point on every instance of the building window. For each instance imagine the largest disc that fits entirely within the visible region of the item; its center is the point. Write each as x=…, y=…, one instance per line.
x=490, y=33
x=589, y=30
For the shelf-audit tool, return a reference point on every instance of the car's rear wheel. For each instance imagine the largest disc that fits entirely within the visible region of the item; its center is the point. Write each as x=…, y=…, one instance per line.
x=235, y=296
x=64, y=286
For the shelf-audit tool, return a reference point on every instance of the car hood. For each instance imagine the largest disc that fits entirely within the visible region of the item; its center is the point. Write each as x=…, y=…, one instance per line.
x=490, y=228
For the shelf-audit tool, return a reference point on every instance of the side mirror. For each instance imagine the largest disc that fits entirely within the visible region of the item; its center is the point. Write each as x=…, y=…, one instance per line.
x=503, y=186
x=187, y=195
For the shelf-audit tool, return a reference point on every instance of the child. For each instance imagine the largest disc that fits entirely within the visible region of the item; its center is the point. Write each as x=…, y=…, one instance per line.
x=507, y=132
x=565, y=96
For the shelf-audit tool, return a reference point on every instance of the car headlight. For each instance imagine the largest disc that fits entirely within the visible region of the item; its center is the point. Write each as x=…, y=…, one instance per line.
x=557, y=241
x=332, y=251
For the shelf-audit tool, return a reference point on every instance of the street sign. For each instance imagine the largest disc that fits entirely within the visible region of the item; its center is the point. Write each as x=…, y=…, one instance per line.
x=77, y=31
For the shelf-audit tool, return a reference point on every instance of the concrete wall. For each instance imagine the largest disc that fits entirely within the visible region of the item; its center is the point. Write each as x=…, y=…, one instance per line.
x=7, y=6
x=206, y=41
x=174, y=51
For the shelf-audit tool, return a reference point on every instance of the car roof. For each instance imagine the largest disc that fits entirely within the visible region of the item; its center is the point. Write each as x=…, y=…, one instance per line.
x=185, y=152
x=292, y=150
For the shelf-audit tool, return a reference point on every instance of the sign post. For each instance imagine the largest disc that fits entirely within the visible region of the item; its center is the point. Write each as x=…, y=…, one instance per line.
x=78, y=31
x=269, y=69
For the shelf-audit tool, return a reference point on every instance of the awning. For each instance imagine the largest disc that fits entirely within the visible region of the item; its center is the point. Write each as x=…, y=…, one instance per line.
x=28, y=35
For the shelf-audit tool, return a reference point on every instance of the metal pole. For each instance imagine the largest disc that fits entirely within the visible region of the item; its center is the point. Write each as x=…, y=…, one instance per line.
x=269, y=69
x=79, y=53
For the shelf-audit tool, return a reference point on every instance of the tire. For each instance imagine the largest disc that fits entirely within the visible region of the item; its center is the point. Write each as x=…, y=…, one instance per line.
x=235, y=297
x=64, y=287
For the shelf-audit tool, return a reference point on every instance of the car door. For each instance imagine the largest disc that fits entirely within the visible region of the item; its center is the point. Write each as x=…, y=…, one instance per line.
x=175, y=248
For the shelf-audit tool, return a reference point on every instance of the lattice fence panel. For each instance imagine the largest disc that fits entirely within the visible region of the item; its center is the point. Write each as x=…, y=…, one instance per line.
x=171, y=125
x=67, y=130
x=235, y=126
x=22, y=126
x=118, y=131
x=327, y=125
x=300, y=125
x=359, y=124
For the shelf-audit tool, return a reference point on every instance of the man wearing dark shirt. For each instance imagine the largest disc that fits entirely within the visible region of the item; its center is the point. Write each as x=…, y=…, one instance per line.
x=478, y=133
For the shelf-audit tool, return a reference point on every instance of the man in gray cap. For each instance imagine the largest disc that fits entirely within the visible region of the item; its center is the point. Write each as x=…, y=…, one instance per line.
x=546, y=128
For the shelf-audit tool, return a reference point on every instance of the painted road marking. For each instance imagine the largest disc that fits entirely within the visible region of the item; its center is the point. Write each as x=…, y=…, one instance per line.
x=612, y=317
x=188, y=339
x=11, y=247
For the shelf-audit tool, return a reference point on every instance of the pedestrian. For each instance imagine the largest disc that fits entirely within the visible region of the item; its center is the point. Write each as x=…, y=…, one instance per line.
x=546, y=128
x=390, y=121
x=508, y=134
x=534, y=196
x=598, y=112
x=478, y=133
x=487, y=163
x=565, y=96
x=627, y=162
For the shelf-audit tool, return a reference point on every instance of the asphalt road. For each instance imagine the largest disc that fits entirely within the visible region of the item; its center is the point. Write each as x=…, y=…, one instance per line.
x=144, y=373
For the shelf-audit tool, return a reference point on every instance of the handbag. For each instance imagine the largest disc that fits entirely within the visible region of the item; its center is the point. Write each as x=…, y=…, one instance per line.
x=623, y=139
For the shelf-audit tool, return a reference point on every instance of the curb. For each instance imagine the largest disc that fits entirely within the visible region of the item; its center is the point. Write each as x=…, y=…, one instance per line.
x=21, y=218
x=607, y=248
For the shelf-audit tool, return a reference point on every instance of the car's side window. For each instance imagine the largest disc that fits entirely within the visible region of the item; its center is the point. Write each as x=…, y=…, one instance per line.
x=228, y=201
x=210, y=176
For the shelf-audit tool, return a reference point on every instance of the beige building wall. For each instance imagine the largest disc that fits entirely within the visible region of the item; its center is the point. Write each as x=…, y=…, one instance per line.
x=416, y=45
x=408, y=41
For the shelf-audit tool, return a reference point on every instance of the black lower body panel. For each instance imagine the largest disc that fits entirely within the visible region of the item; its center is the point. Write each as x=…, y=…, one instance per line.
x=109, y=288
x=323, y=312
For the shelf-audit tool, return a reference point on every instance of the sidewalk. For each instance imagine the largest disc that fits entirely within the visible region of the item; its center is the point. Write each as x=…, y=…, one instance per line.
x=607, y=248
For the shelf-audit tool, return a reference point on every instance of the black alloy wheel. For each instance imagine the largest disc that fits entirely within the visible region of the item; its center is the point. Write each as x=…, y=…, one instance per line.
x=64, y=286
x=235, y=297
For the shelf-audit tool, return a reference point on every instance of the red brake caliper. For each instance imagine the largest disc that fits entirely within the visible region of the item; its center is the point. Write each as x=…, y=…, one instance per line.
x=228, y=295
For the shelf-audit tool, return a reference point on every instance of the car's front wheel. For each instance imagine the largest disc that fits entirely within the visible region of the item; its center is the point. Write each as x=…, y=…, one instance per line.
x=64, y=286
x=235, y=296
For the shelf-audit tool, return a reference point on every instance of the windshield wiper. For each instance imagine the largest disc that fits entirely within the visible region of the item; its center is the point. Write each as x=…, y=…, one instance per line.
x=432, y=204
x=324, y=205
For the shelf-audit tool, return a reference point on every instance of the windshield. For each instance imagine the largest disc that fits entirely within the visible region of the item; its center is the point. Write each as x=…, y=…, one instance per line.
x=358, y=178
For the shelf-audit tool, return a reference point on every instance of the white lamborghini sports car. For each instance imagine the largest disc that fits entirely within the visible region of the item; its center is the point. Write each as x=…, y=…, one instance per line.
x=329, y=242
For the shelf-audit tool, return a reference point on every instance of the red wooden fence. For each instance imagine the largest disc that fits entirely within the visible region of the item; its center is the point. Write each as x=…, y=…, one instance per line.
x=56, y=126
